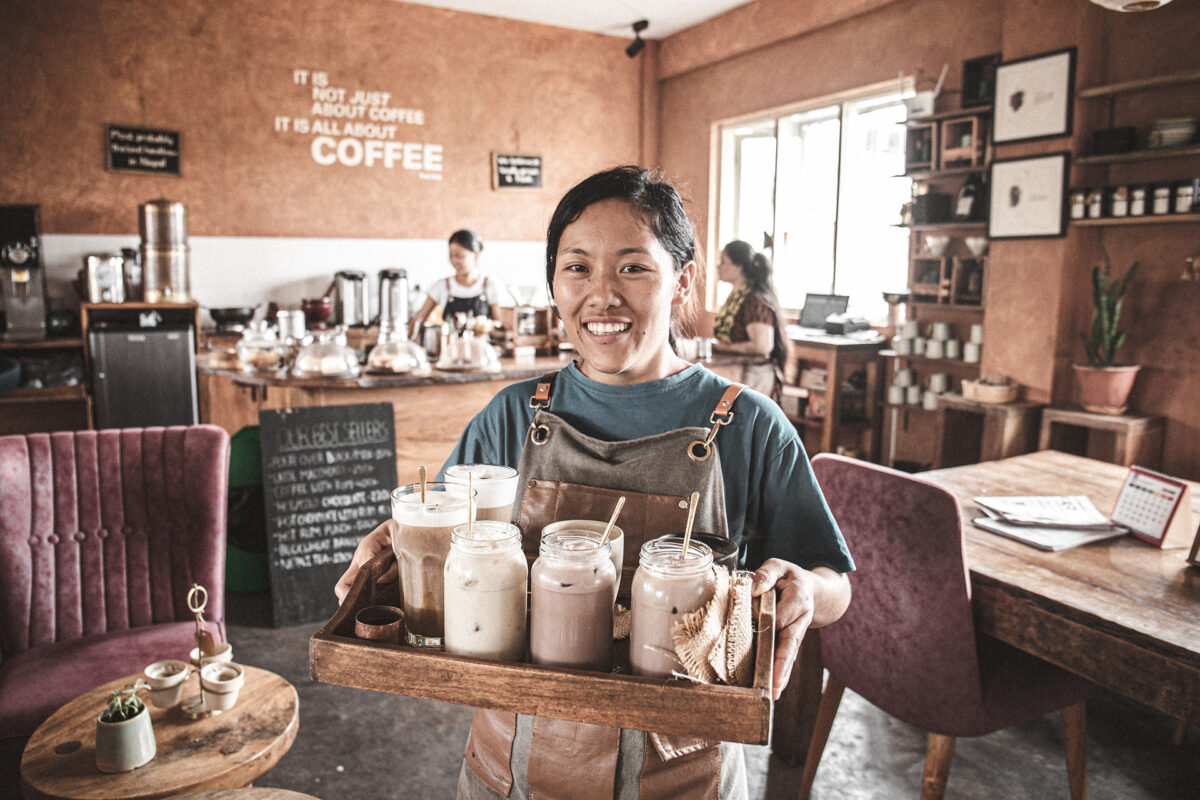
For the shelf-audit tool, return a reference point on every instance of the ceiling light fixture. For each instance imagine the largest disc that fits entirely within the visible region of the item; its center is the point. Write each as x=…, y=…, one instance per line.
x=637, y=44
x=1131, y=5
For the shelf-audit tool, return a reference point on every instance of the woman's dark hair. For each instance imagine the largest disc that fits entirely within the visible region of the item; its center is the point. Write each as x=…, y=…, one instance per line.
x=655, y=200
x=467, y=239
x=757, y=272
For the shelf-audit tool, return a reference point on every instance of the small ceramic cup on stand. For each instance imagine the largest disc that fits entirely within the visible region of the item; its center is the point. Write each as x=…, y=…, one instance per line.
x=166, y=679
x=224, y=653
x=221, y=682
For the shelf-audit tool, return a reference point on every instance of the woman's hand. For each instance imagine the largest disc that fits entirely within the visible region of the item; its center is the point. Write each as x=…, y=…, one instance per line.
x=372, y=545
x=806, y=599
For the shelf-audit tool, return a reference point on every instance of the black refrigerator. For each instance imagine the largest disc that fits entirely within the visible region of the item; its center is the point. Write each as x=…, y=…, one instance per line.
x=143, y=376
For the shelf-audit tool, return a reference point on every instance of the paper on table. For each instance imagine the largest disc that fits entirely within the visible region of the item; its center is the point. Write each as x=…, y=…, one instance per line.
x=1072, y=511
x=1047, y=537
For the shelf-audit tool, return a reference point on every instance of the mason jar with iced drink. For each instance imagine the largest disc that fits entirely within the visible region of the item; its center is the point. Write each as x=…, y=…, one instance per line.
x=496, y=488
x=486, y=575
x=596, y=528
x=571, y=614
x=668, y=584
x=423, y=519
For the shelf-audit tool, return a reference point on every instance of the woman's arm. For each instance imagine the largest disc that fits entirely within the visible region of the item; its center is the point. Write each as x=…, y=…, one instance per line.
x=760, y=343
x=418, y=319
x=807, y=599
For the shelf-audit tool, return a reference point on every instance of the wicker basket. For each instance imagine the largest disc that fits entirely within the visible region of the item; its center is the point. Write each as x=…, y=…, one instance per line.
x=979, y=392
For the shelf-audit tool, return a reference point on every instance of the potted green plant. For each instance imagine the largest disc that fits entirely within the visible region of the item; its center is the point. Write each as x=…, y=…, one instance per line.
x=1104, y=385
x=124, y=734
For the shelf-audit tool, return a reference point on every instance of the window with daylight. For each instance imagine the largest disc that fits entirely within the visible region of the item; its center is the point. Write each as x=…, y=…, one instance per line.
x=817, y=189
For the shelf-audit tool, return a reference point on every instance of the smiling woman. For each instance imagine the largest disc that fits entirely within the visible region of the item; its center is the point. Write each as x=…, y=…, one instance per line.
x=620, y=263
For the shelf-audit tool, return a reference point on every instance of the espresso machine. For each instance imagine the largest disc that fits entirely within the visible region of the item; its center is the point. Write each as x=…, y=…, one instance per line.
x=22, y=275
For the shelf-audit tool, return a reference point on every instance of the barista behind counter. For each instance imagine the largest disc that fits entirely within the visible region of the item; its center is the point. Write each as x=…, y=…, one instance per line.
x=469, y=291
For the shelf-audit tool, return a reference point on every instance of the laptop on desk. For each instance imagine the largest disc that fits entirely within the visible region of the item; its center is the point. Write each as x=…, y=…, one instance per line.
x=818, y=308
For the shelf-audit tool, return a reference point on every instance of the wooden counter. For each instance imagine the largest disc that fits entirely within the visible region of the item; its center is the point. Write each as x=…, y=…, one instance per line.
x=430, y=411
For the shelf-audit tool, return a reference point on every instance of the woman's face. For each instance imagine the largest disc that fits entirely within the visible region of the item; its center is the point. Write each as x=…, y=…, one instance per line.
x=727, y=270
x=615, y=285
x=463, y=260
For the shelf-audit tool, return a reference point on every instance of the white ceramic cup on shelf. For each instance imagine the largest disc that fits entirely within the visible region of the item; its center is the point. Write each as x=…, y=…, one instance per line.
x=935, y=348
x=910, y=329
x=895, y=395
x=903, y=378
x=940, y=331
x=939, y=382
x=971, y=352
x=929, y=401
x=902, y=346
x=977, y=333
x=952, y=348
x=919, y=345
x=913, y=395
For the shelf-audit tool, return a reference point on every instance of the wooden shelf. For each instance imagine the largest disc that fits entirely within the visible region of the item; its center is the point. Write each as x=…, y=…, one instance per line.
x=1139, y=85
x=945, y=226
x=934, y=174
x=50, y=394
x=1145, y=219
x=977, y=111
x=1150, y=154
x=64, y=343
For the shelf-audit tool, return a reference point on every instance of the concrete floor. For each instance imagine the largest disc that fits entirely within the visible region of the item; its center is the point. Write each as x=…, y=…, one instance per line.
x=362, y=745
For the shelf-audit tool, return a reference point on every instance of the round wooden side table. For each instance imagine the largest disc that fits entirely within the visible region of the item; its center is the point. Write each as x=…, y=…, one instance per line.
x=225, y=750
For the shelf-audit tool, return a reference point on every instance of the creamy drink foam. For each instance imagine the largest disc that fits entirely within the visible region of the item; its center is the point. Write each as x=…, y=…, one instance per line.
x=421, y=540
x=496, y=488
x=666, y=585
x=571, y=615
x=486, y=575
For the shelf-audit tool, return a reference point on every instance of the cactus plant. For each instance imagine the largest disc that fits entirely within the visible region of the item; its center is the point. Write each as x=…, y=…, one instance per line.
x=1108, y=295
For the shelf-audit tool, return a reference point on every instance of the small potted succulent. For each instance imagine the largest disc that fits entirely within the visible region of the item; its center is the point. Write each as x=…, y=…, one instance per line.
x=124, y=734
x=1104, y=385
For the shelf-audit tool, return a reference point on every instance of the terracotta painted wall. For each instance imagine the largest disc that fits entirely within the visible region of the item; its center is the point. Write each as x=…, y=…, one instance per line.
x=1037, y=296
x=220, y=73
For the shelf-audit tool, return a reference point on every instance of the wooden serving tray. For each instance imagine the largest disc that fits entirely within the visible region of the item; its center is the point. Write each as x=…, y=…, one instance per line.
x=726, y=713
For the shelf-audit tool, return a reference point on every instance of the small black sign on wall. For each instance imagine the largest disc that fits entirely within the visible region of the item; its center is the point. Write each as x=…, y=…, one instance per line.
x=510, y=172
x=328, y=474
x=143, y=150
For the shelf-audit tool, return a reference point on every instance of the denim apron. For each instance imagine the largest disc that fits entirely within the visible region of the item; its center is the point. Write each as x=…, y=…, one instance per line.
x=566, y=474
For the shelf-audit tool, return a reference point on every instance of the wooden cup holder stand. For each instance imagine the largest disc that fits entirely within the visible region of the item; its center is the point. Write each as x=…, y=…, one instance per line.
x=619, y=699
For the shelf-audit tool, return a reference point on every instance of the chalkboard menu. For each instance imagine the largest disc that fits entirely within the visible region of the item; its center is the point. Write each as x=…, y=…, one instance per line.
x=516, y=171
x=143, y=150
x=328, y=474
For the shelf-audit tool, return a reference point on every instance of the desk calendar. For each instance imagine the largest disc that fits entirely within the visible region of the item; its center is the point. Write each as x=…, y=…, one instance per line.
x=1154, y=507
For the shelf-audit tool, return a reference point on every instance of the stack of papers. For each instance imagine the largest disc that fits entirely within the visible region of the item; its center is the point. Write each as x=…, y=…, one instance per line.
x=1047, y=523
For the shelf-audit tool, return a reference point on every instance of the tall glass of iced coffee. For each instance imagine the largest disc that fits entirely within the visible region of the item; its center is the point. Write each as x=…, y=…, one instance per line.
x=496, y=487
x=423, y=519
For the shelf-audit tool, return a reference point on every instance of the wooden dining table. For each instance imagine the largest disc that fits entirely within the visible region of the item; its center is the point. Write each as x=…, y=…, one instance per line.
x=1121, y=612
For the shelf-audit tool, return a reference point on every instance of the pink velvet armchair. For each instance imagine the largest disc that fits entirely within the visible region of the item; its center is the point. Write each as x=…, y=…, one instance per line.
x=908, y=643
x=102, y=533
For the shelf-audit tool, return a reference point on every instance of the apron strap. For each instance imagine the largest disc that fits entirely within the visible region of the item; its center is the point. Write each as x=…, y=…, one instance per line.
x=540, y=433
x=722, y=415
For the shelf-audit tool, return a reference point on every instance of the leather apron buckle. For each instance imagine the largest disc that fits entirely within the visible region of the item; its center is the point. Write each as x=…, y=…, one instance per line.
x=701, y=451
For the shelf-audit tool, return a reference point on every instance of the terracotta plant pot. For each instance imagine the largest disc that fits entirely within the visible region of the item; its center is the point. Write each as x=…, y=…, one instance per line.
x=1105, y=390
x=122, y=746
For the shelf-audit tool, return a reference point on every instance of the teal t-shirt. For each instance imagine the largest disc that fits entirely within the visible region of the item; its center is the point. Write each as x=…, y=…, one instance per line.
x=773, y=505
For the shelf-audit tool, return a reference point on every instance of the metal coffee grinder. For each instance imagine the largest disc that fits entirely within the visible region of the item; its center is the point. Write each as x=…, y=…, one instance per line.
x=393, y=301
x=22, y=276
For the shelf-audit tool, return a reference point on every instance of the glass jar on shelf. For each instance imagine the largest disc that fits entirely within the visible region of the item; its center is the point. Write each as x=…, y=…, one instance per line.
x=259, y=349
x=328, y=356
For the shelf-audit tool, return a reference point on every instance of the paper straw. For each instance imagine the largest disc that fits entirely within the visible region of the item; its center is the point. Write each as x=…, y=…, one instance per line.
x=687, y=532
x=613, y=520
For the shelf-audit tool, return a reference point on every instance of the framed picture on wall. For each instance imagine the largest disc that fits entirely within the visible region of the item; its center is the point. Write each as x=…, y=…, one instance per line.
x=1034, y=97
x=1028, y=197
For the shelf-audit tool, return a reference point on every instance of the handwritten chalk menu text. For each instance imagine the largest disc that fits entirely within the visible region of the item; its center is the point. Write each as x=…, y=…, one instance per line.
x=143, y=150
x=525, y=171
x=360, y=128
x=328, y=473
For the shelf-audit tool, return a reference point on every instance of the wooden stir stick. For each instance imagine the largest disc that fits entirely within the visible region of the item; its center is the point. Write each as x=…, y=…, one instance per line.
x=612, y=520
x=687, y=532
x=421, y=473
